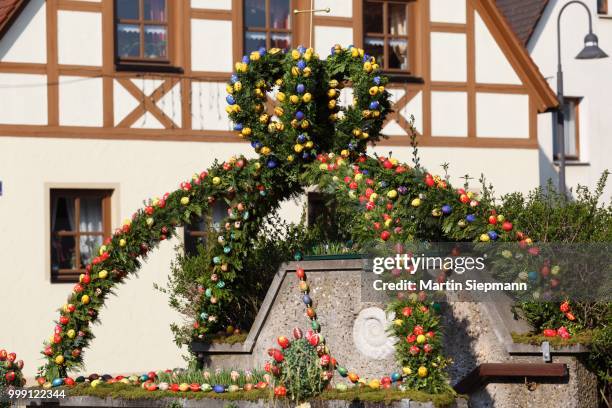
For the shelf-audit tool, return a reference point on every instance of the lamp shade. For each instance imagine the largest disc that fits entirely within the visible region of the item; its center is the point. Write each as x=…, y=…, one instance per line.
x=591, y=48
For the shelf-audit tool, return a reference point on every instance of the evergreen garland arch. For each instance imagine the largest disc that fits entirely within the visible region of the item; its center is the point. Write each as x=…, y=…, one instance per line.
x=309, y=139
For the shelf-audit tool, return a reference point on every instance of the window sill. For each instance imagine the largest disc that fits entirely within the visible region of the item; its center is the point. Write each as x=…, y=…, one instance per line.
x=572, y=163
x=403, y=78
x=135, y=67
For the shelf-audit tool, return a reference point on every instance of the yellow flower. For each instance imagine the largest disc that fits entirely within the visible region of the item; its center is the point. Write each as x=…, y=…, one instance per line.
x=265, y=150
x=366, y=113
x=278, y=111
x=307, y=71
x=295, y=54
x=229, y=88
x=246, y=131
x=290, y=158
x=264, y=118
x=416, y=202
x=392, y=194
x=331, y=104
x=295, y=71
x=280, y=96
x=484, y=237
x=373, y=90
x=305, y=124
x=254, y=56
x=238, y=86
x=331, y=93
x=103, y=274
x=273, y=50
x=406, y=370
x=184, y=200
x=333, y=83
x=422, y=371
x=294, y=98
x=298, y=148
x=344, y=153
x=367, y=67
x=354, y=52
x=365, y=135
x=307, y=97
x=309, y=144
x=381, y=89
x=356, y=132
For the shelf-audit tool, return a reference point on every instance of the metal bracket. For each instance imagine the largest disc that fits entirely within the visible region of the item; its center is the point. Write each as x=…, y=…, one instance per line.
x=546, y=352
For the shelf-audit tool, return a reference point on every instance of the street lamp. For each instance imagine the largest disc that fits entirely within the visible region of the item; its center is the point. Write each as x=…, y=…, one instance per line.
x=591, y=50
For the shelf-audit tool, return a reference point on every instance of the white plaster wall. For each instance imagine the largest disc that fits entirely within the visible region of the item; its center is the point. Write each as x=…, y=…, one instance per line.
x=338, y=8
x=138, y=315
x=211, y=45
x=80, y=101
x=502, y=115
x=24, y=99
x=449, y=114
x=447, y=11
x=208, y=106
x=474, y=161
x=79, y=36
x=590, y=80
x=448, y=57
x=326, y=37
x=492, y=66
x=123, y=102
x=212, y=4
x=170, y=104
x=26, y=40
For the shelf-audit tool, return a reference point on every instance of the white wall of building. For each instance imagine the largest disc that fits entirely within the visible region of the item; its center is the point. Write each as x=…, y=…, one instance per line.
x=29, y=29
x=590, y=80
x=139, y=314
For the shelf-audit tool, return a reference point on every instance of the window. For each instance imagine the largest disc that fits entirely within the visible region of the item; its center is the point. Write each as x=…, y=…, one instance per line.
x=197, y=232
x=142, y=31
x=267, y=23
x=602, y=6
x=388, y=32
x=570, y=129
x=80, y=219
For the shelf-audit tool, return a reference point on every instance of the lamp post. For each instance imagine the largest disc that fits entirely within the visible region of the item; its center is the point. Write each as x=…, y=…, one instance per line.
x=591, y=50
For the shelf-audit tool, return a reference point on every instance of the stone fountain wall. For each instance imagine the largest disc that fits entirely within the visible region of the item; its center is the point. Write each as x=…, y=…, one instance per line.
x=354, y=329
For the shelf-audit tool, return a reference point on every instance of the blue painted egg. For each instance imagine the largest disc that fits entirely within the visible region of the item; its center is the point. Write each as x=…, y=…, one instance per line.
x=301, y=138
x=230, y=99
x=234, y=78
x=377, y=80
x=216, y=260
x=238, y=126
x=533, y=276
x=58, y=382
x=493, y=235
x=364, y=172
x=220, y=284
x=203, y=315
x=245, y=59
x=301, y=64
x=301, y=48
x=272, y=164
x=208, y=292
x=300, y=88
x=262, y=51
x=384, y=184
x=447, y=209
x=299, y=115
x=219, y=389
x=305, y=155
x=306, y=299
x=80, y=379
x=227, y=249
x=374, y=105
x=396, y=377
x=366, y=57
x=470, y=218
x=144, y=377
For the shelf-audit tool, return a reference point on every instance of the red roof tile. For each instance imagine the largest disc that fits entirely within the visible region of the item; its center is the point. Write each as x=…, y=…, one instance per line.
x=523, y=15
x=8, y=11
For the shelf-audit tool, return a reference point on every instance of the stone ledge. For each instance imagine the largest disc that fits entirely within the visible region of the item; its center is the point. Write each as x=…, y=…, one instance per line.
x=94, y=402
